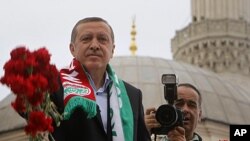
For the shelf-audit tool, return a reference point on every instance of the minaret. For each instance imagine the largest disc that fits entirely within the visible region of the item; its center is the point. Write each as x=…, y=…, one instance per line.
x=218, y=38
x=133, y=47
x=220, y=9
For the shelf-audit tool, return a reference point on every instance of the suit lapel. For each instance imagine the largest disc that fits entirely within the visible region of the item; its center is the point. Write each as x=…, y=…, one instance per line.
x=99, y=118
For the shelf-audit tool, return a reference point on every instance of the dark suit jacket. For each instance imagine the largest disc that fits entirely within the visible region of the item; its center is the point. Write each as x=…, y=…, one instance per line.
x=79, y=128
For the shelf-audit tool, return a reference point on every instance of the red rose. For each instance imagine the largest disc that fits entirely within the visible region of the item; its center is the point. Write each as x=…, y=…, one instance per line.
x=32, y=79
x=38, y=122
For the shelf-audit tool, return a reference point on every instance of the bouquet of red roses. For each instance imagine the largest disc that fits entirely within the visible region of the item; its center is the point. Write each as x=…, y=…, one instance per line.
x=32, y=78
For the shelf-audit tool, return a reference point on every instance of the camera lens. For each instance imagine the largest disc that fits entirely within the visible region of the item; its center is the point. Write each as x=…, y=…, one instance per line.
x=166, y=115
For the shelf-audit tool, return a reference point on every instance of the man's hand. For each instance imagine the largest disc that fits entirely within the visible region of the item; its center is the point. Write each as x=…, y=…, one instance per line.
x=150, y=119
x=177, y=134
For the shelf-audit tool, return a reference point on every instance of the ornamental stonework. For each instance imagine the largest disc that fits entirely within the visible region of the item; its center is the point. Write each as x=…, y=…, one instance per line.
x=217, y=45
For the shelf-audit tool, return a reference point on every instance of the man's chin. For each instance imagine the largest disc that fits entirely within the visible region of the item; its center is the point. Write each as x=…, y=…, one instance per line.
x=93, y=65
x=186, y=125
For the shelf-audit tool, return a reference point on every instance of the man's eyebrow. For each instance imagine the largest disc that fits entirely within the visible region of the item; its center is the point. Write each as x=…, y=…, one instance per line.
x=179, y=100
x=182, y=100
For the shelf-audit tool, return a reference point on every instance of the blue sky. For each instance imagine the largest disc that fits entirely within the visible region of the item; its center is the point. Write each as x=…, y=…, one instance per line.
x=38, y=23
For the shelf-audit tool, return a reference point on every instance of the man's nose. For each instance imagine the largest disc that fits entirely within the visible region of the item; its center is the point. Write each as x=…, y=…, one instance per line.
x=184, y=107
x=94, y=45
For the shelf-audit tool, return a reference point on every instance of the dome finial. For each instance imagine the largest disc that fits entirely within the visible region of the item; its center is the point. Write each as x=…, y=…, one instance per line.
x=133, y=47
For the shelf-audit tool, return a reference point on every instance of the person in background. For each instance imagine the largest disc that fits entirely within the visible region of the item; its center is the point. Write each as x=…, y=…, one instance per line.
x=95, y=103
x=189, y=101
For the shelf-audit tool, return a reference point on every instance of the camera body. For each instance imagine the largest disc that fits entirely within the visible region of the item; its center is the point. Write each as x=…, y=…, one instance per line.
x=168, y=115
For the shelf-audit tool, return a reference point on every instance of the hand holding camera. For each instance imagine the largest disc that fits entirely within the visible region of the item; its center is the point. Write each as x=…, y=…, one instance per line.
x=150, y=120
x=168, y=115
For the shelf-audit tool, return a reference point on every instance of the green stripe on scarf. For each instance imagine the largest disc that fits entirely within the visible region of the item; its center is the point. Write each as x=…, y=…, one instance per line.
x=126, y=111
x=85, y=104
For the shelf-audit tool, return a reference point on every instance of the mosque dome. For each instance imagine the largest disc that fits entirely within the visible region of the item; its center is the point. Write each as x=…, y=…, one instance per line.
x=225, y=97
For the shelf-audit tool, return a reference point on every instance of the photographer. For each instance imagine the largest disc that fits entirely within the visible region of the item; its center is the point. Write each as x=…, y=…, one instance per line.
x=189, y=101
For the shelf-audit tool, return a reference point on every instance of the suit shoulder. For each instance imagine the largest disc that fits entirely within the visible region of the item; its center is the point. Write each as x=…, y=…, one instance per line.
x=130, y=86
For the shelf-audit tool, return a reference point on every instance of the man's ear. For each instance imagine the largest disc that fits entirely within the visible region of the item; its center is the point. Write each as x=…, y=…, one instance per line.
x=200, y=114
x=72, y=49
x=113, y=50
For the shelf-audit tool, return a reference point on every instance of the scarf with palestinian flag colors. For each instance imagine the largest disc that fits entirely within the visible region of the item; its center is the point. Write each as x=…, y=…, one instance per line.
x=79, y=93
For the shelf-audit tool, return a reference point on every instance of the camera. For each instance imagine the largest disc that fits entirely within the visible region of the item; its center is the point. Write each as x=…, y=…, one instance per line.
x=168, y=115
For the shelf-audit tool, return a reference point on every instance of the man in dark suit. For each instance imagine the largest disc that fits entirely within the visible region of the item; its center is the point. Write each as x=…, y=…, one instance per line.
x=96, y=104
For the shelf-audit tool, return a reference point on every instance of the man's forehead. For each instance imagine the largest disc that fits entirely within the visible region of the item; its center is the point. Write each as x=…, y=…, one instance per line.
x=94, y=25
x=187, y=93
